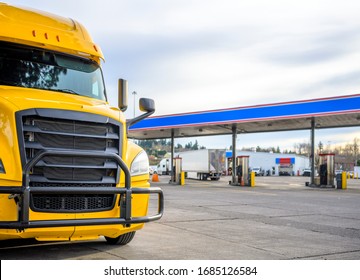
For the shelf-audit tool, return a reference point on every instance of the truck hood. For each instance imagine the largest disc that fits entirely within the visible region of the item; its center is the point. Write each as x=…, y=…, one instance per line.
x=24, y=98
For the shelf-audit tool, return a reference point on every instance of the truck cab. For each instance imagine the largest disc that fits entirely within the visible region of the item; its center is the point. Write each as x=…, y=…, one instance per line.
x=164, y=167
x=258, y=171
x=67, y=169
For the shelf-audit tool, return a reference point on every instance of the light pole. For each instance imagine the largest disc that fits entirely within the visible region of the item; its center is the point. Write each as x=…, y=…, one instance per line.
x=134, y=93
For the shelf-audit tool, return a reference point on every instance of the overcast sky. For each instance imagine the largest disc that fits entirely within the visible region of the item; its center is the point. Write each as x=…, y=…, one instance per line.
x=195, y=55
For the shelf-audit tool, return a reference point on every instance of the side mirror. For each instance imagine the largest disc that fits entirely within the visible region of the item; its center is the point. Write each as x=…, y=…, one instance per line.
x=123, y=94
x=146, y=105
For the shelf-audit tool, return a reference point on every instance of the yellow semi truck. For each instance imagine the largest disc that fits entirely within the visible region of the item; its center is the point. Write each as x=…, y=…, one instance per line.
x=67, y=169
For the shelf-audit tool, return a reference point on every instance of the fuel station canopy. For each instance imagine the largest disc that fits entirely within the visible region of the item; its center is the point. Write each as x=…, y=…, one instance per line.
x=330, y=112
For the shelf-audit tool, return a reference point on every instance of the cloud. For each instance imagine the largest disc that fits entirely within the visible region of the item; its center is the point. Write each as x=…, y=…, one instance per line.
x=314, y=48
x=342, y=82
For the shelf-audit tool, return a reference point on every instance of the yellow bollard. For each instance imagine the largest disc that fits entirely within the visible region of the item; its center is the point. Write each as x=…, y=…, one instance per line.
x=343, y=180
x=182, y=178
x=252, y=179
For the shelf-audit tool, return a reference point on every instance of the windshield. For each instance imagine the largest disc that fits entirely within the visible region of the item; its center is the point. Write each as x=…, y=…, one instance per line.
x=22, y=66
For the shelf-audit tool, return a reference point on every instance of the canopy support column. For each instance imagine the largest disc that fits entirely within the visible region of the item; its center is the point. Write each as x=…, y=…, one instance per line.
x=172, y=180
x=234, y=137
x=312, y=153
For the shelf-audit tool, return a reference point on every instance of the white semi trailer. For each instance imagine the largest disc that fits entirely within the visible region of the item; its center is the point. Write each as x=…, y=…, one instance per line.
x=203, y=164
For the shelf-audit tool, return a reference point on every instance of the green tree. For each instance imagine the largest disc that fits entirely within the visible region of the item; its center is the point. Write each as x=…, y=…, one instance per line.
x=195, y=146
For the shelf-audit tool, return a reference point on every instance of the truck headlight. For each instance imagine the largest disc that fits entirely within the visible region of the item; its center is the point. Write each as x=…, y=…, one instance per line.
x=140, y=164
x=2, y=168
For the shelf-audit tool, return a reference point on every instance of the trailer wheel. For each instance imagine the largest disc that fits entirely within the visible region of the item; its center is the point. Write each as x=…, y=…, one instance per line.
x=121, y=239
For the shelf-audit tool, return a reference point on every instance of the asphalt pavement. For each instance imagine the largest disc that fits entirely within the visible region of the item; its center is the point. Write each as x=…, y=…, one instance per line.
x=278, y=219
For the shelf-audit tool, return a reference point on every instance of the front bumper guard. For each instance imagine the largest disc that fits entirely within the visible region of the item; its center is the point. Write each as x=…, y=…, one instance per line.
x=125, y=217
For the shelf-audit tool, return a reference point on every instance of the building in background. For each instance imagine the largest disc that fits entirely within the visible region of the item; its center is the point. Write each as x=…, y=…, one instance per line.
x=272, y=163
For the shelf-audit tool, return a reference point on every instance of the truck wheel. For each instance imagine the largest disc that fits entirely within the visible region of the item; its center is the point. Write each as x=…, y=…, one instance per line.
x=121, y=239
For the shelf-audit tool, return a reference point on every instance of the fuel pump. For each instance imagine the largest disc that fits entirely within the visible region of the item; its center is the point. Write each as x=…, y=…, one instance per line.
x=242, y=170
x=327, y=170
x=177, y=164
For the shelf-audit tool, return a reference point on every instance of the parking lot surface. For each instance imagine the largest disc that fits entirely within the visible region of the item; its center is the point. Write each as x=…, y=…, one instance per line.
x=278, y=219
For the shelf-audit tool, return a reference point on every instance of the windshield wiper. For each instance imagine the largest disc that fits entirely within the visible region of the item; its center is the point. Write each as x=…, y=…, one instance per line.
x=67, y=91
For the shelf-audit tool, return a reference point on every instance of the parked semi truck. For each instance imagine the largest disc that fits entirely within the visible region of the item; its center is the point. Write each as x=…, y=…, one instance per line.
x=286, y=170
x=67, y=169
x=164, y=167
x=356, y=172
x=203, y=164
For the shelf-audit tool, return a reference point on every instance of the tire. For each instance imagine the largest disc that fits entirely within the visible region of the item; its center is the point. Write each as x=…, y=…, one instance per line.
x=121, y=239
x=215, y=178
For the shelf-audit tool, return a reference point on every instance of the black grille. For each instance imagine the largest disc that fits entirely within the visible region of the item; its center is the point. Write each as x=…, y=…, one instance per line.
x=70, y=142
x=71, y=174
x=74, y=160
x=68, y=130
x=71, y=202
